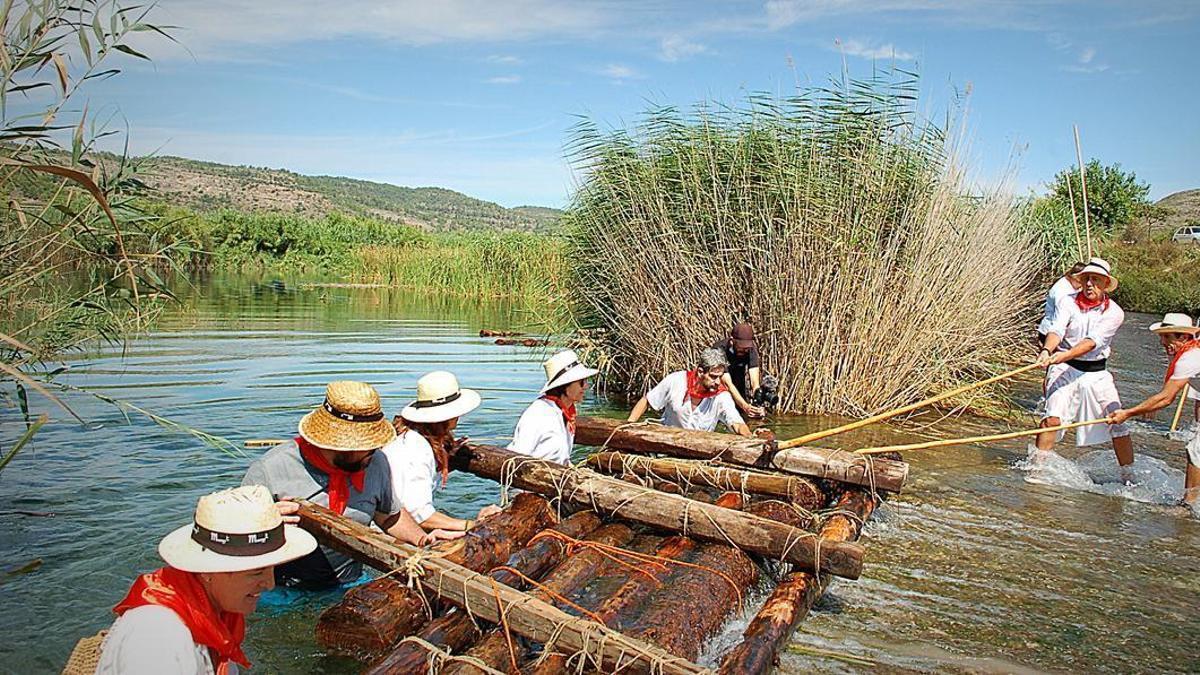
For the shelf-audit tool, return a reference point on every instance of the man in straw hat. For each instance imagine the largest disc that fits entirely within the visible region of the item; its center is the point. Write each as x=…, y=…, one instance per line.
x=189, y=617
x=1177, y=335
x=333, y=462
x=420, y=455
x=1066, y=285
x=743, y=376
x=546, y=429
x=694, y=399
x=1078, y=385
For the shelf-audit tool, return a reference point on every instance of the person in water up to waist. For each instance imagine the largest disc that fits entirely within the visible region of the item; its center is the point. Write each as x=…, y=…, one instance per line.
x=546, y=429
x=743, y=376
x=419, y=457
x=333, y=462
x=1078, y=385
x=1178, y=335
x=189, y=617
x=694, y=399
x=1067, y=284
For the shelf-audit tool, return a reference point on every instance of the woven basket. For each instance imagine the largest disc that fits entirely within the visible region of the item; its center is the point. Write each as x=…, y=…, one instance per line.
x=85, y=656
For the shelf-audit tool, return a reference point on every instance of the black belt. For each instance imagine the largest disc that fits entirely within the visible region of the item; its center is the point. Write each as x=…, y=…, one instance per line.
x=1088, y=366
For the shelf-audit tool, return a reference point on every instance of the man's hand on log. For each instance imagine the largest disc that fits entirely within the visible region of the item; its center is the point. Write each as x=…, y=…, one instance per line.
x=764, y=433
x=488, y=511
x=288, y=508
x=434, y=536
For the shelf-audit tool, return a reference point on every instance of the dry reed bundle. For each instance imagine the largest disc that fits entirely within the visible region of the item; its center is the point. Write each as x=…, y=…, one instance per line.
x=835, y=221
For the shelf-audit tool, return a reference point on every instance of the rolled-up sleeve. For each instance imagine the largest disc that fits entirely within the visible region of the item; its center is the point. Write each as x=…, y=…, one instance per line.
x=727, y=411
x=414, y=486
x=661, y=393
x=1062, y=314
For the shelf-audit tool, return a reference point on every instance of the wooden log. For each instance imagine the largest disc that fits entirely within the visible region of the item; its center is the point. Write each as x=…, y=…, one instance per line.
x=838, y=465
x=527, y=616
x=456, y=630
x=801, y=491
x=673, y=513
x=791, y=600
x=781, y=512
x=371, y=618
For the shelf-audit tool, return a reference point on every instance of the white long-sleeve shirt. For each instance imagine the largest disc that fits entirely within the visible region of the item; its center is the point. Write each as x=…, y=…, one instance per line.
x=1097, y=324
x=414, y=473
x=542, y=433
x=1061, y=289
x=670, y=396
x=153, y=640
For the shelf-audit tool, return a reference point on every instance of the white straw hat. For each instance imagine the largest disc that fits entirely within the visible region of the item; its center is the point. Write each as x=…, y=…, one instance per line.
x=439, y=398
x=1101, y=267
x=233, y=531
x=1175, y=322
x=564, y=368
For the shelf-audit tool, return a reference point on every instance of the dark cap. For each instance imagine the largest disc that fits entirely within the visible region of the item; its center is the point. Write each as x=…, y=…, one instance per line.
x=743, y=336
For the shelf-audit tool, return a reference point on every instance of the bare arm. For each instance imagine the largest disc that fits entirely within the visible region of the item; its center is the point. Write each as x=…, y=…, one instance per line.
x=639, y=409
x=1085, y=345
x=1156, y=402
x=402, y=526
x=755, y=379
x=742, y=429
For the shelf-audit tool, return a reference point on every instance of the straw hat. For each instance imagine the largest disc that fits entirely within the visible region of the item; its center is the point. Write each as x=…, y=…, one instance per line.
x=1175, y=322
x=349, y=420
x=439, y=398
x=564, y=368
x=1101, y=267
x=233, y=531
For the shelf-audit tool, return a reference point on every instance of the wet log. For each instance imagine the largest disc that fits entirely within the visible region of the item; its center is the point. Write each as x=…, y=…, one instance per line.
x=800, y=491
x=814, y=462
x=371, y=618
x=782, y=512
x=654, y=483
x=791, y=600
x=484, y=332
x=526, y=616
x=673, y=513
x=455, y=630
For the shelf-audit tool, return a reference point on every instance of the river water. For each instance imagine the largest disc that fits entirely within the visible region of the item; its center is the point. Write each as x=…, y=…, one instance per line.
x=972, y=568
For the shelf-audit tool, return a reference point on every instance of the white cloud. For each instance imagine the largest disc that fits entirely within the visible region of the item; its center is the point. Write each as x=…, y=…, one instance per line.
x=618, y=71
x=867, y=51
x=505, y=59
x=677, y=48
x=1087, y=55
x=504, y=79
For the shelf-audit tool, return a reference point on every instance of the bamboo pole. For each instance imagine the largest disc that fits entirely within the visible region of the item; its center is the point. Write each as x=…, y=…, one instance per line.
x=1087, y=220
x=976, y=439
x=1075, y=221
x=818, y=435
x=1179, y=409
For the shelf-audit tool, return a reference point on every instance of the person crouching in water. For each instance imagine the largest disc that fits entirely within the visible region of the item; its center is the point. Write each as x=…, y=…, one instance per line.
x=1177, y=334
x=190, y=616
x=1078, y=385
x=694, y=399
x=419, y=456
x=546, y=429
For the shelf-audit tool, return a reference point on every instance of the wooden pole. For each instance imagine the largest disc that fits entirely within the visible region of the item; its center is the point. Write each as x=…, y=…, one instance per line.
x=822, y=463
x=977, y=439
x=526, y=616
x=818, y=435
x=1179, y=408
x=1087, y=219
x=1075, y=221
x=673, y=513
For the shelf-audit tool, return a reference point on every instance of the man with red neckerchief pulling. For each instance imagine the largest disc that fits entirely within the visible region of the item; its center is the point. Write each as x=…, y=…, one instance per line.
x=1078, y=384
x=1177, y=334
x=694, y=399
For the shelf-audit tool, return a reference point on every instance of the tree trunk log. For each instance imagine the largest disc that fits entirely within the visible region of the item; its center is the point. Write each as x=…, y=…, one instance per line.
x=800, y=491
x=612, y=497
x=455, y=630
x=781, y=512
x=526, y=616
x=839, y=465
x=370, y=618
x=788, y=604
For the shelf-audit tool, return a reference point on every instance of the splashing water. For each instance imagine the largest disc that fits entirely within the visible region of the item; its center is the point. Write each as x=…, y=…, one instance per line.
x=1148, y=479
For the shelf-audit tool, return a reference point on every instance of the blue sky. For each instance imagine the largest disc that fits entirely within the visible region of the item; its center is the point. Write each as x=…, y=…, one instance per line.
x=478, y=96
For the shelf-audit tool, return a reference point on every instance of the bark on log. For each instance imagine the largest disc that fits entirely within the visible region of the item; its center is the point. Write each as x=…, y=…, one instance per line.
x=800, y=491
x=526, y=616
x=781, y=512
x=788, y=604
x=612, y=497
x=455, y=630
x=839, y=465
x=370, y=618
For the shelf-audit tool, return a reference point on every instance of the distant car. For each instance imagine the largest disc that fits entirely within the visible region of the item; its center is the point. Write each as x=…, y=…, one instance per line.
x=1187, y=235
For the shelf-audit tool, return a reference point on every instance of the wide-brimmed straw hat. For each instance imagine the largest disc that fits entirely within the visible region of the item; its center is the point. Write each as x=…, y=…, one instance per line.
x=349, y=420
x=1101, y=267
x=439, y=398
x=564, y=368
x=1175, y=322
x=233, y=531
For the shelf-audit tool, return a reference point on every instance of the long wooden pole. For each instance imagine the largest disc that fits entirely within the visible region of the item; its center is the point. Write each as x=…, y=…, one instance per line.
x=1087, y=220
x=976, y=439
x=1179, y=409
x=1075, y=221
x=818, y=435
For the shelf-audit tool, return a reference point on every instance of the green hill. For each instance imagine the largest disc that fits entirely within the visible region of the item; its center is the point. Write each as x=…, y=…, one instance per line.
x=1179, y=209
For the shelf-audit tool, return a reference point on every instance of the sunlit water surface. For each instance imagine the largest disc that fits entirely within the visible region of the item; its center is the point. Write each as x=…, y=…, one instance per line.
x=972, y=568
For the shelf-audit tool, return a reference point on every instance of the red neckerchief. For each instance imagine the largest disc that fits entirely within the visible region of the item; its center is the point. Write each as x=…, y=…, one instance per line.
x=568, y=411
x=1189, y=345
x=181, y=592
x=1084, y=304
x=697, y=390
x=339, y=480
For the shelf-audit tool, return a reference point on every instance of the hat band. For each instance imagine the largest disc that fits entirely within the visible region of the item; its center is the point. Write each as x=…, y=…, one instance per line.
x=438, y=401
x=350, y=417
x=254, y=543
x=564, y=371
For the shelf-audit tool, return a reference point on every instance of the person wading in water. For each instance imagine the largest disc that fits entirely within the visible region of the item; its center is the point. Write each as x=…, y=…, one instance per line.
x=546, y=429
x=743, y=376
x=694, y=399
x=1177, y=334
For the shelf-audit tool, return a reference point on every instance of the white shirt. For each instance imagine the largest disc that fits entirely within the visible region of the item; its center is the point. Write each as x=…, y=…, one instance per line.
x=414, y=473
x=542, y=433
x=153, y=640
x=1188, y=368
x=670, y=397
x=1058, y=291
x=1074, y=325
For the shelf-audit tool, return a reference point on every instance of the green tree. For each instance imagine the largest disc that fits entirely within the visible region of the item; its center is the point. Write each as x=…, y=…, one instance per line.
x=1115, y=197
